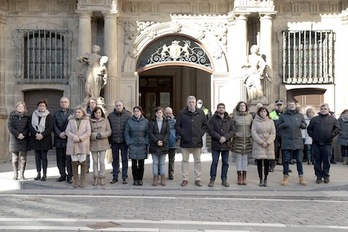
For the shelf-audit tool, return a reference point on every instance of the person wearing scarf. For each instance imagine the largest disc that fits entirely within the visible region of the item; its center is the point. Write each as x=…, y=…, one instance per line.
x=40, y=140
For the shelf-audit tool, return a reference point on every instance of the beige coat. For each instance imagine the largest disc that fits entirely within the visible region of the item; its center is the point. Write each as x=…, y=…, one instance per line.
x=80, y=135
x=101, y=126
x=263, y=130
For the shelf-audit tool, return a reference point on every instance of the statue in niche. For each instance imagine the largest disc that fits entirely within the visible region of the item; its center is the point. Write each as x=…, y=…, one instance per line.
x=95, y=76
x=255, y=70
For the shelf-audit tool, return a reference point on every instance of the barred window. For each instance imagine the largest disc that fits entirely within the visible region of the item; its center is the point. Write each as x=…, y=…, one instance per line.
x=308, y=57
x=43, y=56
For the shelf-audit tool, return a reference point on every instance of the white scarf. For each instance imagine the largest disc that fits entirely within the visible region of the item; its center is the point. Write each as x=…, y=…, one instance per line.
x=39, y=127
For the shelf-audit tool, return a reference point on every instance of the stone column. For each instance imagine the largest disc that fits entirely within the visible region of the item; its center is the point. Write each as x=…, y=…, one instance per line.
x=84, y=45
x=241, y=49
x=4, y=138
x=266, y=49
x=112, y=88
x=3, y=20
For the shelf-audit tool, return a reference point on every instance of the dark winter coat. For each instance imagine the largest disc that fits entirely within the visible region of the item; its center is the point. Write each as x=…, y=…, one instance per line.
x=290, y=123
x=45, y=143
x=323, y=128
x=172, y=133
x=136, y=135
x=60, y=123
x=190, y=127
x=343, y=135
x=18, y=124
x=118, y=122
x=156, y=135
x=221, y=127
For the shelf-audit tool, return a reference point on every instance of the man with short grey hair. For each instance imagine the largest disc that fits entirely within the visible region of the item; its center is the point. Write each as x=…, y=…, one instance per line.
x=191, y=124
x=322, y=128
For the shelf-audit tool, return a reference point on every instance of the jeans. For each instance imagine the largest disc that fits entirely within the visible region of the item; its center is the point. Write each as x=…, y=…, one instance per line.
x=98, y=160
x=63, y=162
x=116, y=147
x=224, y=168
x=158, y=164
x=242, y=162
x=321, y=159
x=296, y=154
x=41, y=158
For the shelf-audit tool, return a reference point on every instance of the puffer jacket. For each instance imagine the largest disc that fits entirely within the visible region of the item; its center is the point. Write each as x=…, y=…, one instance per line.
x=242, y=141
x=323, y=128
x=83, y=132
x=101, y=126
x=190, y=127
x=18, y=124
x=221, y=127
x=118, y=121
x=263, y=130
x=136, y=135
x=291, y=123
x=156, y=135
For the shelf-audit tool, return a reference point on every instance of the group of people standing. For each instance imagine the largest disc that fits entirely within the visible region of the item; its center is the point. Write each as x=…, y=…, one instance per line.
x=79, y=133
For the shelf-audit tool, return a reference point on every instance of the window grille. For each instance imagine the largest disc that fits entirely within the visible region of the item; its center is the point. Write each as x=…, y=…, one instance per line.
x=43, y=56
x=308, y=57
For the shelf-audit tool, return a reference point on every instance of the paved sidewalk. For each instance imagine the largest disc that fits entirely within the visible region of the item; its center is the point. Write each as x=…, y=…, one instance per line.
x=337, y=189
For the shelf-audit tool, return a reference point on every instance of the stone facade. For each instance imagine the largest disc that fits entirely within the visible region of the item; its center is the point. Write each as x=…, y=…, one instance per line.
x=126, y=31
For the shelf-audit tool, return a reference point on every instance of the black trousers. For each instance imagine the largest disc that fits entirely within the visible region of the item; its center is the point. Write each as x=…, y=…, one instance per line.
x=138, y=169
x=265, y=164
x=171, y=160
x=63, y=162
x=41, y=159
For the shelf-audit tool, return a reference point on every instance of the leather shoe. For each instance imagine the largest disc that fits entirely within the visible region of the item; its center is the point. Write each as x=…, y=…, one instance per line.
x=225, y=183
x=125, y=181
x=114, y=180
x=43, y=178
x=184, y=183
x=140, y=182
x=198, y=183
x=69, y=180
x=60, y=179
x=171, y=177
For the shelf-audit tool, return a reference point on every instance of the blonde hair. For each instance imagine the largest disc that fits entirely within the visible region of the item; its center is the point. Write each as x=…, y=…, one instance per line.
x=21, y=103
x=80, y=107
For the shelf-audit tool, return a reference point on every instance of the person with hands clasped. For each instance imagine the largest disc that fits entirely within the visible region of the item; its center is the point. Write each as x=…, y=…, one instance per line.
x=78, y=132
x=263, y=133
x=100, y=132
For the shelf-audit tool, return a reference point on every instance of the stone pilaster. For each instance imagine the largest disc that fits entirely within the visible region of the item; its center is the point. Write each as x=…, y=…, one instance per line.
x=84, y=45
x=112, y=88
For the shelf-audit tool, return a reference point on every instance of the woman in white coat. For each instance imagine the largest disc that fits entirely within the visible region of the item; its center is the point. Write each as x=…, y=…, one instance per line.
x=78, y=132
x=263, y=133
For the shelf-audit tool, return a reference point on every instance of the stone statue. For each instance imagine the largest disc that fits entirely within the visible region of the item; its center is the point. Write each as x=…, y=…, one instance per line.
x=255, y=71
x=95, y=76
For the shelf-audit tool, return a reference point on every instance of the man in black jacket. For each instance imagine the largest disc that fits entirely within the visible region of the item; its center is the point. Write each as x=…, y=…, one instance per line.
x=322, y=128
x=191, y=124
x=221, y=134
x=60, y=140
x=118, y=119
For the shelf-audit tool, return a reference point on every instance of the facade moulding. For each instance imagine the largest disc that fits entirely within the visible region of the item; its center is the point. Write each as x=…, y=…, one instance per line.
x=100, y=5
x=153, y=31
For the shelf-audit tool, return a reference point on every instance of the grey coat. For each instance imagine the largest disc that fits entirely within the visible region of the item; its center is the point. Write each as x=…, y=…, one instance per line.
x=343, y=135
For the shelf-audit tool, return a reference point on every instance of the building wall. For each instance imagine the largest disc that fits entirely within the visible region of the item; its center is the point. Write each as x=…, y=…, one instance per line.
x=214, y=23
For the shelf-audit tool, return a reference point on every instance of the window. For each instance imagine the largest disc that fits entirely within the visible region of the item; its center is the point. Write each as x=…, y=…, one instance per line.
x=308, y=57
x=43, y=56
